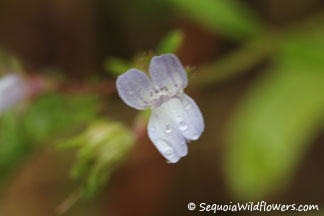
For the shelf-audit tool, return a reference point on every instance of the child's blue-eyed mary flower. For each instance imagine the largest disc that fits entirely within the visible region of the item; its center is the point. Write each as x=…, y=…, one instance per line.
x=176, y=118
x=13, y=89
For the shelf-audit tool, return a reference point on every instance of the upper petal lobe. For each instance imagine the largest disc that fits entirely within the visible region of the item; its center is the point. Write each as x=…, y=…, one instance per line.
x=167, y=71
x=133, y=87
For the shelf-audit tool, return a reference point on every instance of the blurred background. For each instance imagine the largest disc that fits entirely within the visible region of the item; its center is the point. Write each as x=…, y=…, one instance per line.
x=69, y=145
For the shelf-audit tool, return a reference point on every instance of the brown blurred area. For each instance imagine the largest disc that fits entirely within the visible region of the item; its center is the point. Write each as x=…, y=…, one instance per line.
x=76, y=36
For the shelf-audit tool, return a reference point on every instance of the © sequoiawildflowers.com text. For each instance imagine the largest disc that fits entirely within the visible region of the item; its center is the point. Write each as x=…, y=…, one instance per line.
x=251, y=206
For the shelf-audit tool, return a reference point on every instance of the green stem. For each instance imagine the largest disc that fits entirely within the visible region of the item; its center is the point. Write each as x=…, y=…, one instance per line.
x=237, y=62
x=252, y=53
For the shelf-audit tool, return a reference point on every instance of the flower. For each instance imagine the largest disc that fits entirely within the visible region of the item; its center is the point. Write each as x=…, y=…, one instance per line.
x=176, y=118
x=13, y=89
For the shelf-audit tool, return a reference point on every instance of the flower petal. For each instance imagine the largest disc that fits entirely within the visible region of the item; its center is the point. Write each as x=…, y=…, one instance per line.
x=186, y=116
x=13, y=89
x=166, y=136
x=167, y=71
x=133, y=87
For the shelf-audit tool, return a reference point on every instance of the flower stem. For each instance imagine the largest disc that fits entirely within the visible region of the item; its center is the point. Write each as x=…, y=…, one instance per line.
x=252, y=53
x=237, y=62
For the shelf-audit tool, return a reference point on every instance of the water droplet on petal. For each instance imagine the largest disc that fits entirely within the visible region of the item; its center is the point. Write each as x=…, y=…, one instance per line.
x=168, y=151
x=194, y=137
x=188, y=106
x=183, y=126
x=168, y=129
x=164, y=147
x=130, y=92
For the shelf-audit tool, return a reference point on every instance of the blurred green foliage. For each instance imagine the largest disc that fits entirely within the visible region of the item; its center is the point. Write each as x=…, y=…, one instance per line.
x=171, y=42
x=51, y=115
x=13, y=146
x=101, y=149
x=278, y=117
x=9, y=63
x=55, y=114
x=116, y=66
x=229, y=17
x=239, y=61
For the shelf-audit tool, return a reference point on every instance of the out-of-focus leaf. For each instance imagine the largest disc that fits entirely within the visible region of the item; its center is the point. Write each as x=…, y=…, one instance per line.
x=102, y=148
x=13, y=146
x=269, y=133
x=9, y=63
x=117, y=66
x=229, y=17
x=304, y=50
x=238, y=62
x=171, y=42
x=54, y=114
x=142, y=61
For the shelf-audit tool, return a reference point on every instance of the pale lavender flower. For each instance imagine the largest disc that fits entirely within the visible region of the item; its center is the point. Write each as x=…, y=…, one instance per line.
x=176, y=118
x=13, y=89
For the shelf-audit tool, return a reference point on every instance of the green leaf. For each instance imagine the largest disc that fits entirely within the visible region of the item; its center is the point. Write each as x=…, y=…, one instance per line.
x=171, y=42
x=55, y=114
x=229, y=17
x=117, y=66
x=13, y=145
x=304, y=50
x=9, y=63
x=277, y=120
x=238, y=62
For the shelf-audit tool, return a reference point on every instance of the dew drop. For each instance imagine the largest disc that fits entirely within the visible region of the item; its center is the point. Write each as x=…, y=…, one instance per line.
x=164, y=147
x=183, y=126
x=168, y=129
x=130, y=92
x=188, y=106
x=168, y=151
